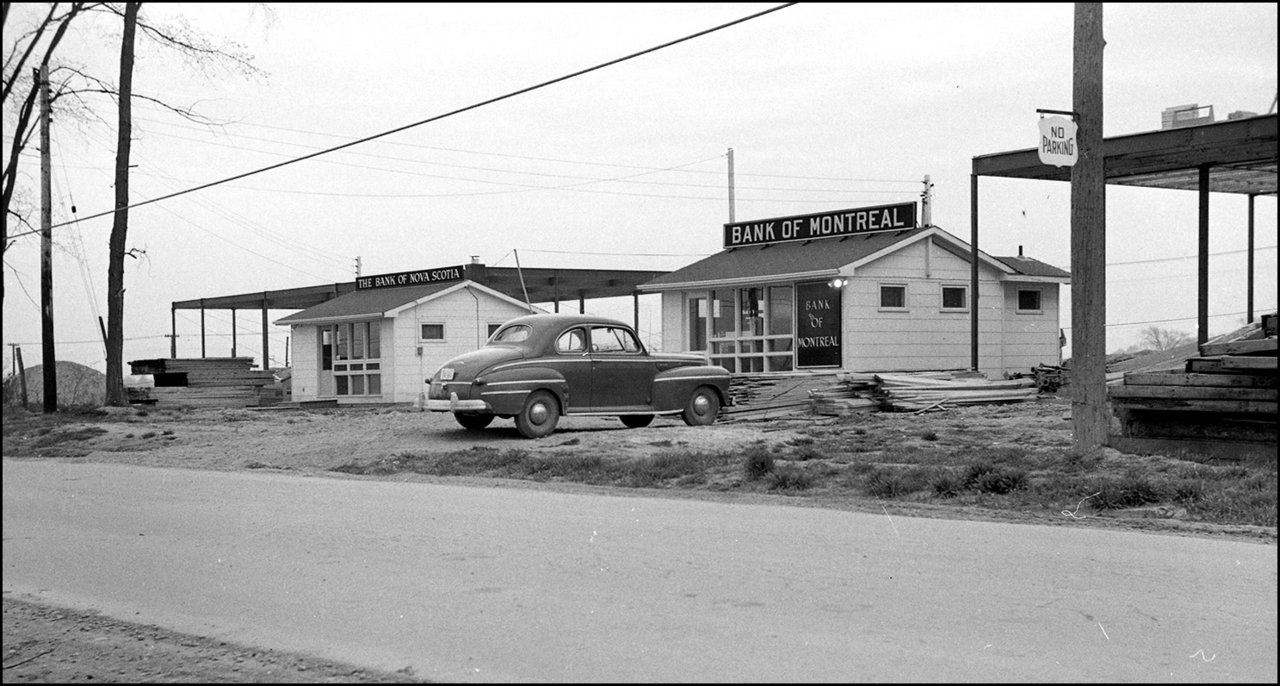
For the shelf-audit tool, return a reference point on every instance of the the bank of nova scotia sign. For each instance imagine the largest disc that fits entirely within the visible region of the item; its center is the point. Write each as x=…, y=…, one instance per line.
x=807, y=227
x=417, y=277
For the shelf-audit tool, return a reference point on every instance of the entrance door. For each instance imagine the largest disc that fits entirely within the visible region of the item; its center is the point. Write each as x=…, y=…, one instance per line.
x=324, y=385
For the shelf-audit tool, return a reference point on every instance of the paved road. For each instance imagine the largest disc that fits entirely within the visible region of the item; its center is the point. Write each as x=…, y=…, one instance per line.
x=511, y=584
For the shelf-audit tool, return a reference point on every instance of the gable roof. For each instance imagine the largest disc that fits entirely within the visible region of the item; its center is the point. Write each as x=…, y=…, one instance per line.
x=375, y=303
x=823, y=258
x=819, y=258
x=1029, y=266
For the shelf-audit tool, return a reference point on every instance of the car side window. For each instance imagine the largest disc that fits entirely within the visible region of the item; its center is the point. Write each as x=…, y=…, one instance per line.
x=572, y=341
x=611, y=339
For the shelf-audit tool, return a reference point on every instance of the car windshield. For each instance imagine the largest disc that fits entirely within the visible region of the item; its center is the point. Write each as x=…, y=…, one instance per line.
x=511, y=334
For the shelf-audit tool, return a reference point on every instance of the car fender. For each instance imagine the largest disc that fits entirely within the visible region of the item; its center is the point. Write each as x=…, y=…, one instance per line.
x=507, y=387
x=672, y=388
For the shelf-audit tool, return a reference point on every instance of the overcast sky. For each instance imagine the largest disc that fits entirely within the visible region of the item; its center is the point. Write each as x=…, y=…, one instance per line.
x=826, y=106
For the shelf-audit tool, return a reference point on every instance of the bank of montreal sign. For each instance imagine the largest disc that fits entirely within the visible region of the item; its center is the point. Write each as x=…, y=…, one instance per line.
x=807, y=227
x=414, y=278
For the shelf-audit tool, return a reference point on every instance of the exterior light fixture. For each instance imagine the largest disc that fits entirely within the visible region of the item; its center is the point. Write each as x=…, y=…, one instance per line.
x=837, y=282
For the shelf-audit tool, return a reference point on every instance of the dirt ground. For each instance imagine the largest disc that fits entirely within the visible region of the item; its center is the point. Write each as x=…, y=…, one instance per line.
x=51, y=644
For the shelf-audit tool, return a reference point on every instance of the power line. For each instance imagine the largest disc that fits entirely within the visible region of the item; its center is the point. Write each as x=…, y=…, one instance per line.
x=443, y=116
x=911, y=182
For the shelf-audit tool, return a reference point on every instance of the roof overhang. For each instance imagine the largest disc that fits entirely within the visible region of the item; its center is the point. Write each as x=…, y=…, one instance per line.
x=543, y=285
x=1240, y=154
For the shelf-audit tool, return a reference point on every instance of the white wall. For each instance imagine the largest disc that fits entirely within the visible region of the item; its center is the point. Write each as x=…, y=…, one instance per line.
x=404, y=370
x=306, y=361
x=924, y=336
x=465, y=319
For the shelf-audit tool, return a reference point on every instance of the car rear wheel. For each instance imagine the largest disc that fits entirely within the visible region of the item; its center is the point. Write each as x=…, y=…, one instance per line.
x=539, y=415
x=473, y=421
x=635, y=421
x=702, y=408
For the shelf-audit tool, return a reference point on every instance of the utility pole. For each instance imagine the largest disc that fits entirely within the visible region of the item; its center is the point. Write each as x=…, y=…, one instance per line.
x=49, y=358
x=730, y=185
x=1089, y=417
x=926, y=199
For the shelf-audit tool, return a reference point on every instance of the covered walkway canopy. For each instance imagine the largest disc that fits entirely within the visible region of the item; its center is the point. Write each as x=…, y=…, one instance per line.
x=535, y=285
x=1233, y=156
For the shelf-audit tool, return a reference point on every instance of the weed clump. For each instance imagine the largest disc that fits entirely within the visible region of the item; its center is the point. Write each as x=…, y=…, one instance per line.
x=790, y=479
x=758, y=463
x=985, y=477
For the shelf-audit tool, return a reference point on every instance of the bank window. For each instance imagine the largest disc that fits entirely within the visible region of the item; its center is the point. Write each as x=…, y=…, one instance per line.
x=955, y=298
x=893, y=297
x=1029, y=300
x=493, y=328
x=351, y=353
x=432, y=332
x=747, y=329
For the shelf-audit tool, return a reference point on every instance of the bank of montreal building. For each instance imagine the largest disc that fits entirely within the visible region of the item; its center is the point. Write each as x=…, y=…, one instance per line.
x=893, y=297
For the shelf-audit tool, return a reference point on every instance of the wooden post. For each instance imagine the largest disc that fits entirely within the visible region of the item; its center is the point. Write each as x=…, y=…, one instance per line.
x=1202, y=260
x=1249, y=267
x=233, y=332
x=973, y=272
x=50, y=366
x=202, y=355
x=266, y=353
x=1090, y=420
x=22, y=377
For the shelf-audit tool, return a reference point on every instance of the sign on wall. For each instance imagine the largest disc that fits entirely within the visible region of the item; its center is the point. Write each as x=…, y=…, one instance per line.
x=418, y=277
x=805, y=227
x=817, y=325
x=1057, y=141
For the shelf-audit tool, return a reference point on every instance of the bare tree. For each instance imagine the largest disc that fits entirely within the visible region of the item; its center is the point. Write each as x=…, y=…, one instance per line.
x=120, y=220
x=33, y=47
x=1155, y=338
x=74, y=84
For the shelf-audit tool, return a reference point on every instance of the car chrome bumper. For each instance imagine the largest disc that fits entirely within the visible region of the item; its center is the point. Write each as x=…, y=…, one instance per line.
x=455, y=405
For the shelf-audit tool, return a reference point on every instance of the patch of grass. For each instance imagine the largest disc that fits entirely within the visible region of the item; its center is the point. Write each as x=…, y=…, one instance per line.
x=758, y=463
x=1132, y=489
x=789, y=479
x=929, y=435
x=945, y=483
x=986, y=477
x=894, y=482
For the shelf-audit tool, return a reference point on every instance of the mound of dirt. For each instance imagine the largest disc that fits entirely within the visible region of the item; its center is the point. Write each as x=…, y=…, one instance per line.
x=78, y=386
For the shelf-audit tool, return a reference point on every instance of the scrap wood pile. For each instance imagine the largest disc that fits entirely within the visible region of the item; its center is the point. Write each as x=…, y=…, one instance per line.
x=916, y=391
x=205, y=382
x=921, y=392
x=765, y=395
x=1228, y=391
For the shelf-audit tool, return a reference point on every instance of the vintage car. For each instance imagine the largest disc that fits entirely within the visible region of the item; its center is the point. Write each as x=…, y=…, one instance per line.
x=539, y=367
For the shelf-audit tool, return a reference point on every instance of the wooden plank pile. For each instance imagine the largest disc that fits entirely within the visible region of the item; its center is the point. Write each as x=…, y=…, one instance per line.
x=768, y=396
x=852, y=392
x=942, y=390
x=1226, y=393
x=206, y=382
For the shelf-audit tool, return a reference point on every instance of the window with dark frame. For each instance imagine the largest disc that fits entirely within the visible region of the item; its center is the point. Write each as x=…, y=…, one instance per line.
x=954, y=297
x=893, y=297
x=1028, y=300
x=432, y=332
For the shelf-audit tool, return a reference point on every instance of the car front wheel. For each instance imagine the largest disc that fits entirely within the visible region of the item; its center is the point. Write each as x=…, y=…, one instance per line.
x=636, y=421
x=473, y=421
x=539, y=415
x=702, y=408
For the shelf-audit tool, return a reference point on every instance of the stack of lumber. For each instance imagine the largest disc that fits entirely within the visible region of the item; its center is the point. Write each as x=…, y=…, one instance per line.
x=207, y=382
x=1226, y=393
x=770, y=395
x=852, y=392
x=921, y=392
